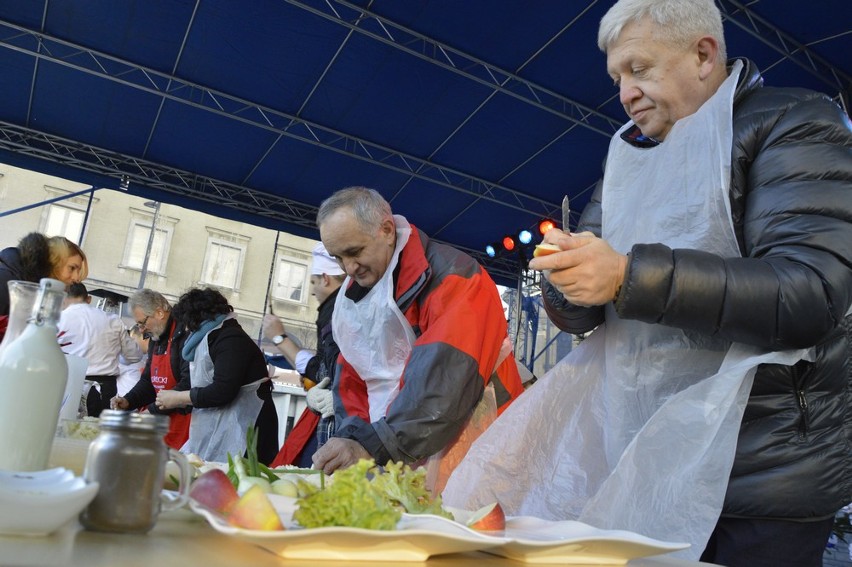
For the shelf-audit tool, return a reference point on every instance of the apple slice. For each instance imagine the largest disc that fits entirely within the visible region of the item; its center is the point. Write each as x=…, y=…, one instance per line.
x=254, y=511
x=488, y=518
x=545, y=249
x=214, y=490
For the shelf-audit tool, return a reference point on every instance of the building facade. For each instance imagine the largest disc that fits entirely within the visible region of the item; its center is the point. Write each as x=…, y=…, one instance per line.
x=254, y=267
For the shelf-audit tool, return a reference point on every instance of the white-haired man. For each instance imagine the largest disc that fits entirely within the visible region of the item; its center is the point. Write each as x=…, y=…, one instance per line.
x=716, y=250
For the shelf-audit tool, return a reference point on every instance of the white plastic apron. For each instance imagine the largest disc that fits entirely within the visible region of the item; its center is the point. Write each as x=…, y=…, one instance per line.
x=215, y=432
x=373, y=334
x=636, y=428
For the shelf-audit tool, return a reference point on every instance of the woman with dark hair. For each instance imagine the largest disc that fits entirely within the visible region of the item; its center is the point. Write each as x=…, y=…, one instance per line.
x=230, y=386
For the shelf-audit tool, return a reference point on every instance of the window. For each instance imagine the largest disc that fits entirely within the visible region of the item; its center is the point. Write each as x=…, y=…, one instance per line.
x=223, y=262
x=64, y=217
x=292, y=281
x=137, y=244
x=64, y=221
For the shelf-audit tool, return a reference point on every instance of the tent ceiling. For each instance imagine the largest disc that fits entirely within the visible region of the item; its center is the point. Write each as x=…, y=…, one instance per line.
x=473, y=118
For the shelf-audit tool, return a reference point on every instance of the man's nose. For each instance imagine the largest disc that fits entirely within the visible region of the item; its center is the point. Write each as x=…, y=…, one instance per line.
x=628, y=92
x=350, y=266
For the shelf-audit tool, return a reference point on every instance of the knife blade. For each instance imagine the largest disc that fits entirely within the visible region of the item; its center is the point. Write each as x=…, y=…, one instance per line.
x=566, y=215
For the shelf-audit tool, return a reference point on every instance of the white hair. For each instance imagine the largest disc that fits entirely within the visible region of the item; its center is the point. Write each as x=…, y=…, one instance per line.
x=368, y=206
x=680, y=22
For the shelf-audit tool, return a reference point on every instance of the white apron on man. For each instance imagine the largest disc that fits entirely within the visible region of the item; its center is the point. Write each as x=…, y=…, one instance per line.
x=373, y=335
x=376, y=339
x=636, y=428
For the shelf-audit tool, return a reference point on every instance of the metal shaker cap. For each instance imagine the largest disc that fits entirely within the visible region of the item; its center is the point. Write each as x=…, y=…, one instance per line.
x=117, y=419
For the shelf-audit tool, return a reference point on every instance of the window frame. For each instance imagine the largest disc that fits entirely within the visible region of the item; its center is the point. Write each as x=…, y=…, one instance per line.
x=286, y=256
x=231, y=241
x=139, y=219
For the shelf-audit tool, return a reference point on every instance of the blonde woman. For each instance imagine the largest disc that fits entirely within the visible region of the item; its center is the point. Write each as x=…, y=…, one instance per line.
x=36, y=257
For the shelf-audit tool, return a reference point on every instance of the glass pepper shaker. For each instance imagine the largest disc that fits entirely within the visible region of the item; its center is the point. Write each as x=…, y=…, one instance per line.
x=128, y=460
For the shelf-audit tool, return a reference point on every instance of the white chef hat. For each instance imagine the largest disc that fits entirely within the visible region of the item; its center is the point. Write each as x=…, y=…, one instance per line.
x=323, y=263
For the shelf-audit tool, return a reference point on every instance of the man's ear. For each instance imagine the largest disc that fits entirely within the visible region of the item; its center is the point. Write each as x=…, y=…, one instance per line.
x=326, y=280
x=707, y=50
x=388, y=230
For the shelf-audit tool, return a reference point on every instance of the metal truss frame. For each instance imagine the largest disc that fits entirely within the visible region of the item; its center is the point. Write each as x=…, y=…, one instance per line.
x=128, y=169
x=786, y=45
x=365, y=22
x=54, y=50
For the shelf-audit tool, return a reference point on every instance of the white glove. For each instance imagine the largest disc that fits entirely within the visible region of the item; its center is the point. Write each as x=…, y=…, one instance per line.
x=320, y=400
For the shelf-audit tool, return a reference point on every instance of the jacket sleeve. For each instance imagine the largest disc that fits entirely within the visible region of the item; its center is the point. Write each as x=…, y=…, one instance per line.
x=129, y=348
x=462, y=329
x=793, y=284
x=312, y=367
x=142, y=393
x=565, y=315
x=235, y=363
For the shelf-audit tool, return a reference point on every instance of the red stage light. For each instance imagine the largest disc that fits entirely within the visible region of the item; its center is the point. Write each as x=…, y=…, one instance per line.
x=545, y=225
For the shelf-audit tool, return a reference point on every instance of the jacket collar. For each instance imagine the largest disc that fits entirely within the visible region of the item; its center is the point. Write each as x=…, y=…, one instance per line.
x=411, y=274
x=414, y=268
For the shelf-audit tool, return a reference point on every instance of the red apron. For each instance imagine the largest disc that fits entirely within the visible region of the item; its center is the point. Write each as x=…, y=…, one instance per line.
x=162, y=378
x=297, y=439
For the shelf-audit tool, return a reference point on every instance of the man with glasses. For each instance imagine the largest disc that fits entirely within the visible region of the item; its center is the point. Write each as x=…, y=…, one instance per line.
x=164, y=369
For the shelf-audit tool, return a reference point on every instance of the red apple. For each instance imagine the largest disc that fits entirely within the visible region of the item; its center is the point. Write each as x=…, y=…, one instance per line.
x=545, y=249
x=488, y=518
x=254, y=511
x=214, y=490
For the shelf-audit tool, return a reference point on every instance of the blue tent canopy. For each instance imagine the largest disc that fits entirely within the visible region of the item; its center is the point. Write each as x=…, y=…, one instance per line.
x=473, y=118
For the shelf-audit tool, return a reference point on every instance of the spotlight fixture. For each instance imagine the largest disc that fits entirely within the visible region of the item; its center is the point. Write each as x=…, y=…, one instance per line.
x=520, y=243
x=545, y=225
x=509, y=243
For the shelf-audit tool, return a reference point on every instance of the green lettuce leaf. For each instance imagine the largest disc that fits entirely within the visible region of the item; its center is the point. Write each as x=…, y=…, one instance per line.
x=367, y=496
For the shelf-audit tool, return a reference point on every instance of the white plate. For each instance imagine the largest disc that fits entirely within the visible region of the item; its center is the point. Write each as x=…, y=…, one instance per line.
x=419, y=537
x=39, y=503
x=533, y=540
x=416, y=539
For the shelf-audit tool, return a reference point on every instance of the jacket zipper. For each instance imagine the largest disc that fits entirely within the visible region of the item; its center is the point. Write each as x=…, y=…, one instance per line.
x=801, y=398
x=803, y=408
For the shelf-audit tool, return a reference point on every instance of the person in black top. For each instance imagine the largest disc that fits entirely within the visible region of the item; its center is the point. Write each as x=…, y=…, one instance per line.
x=230, y=384
x=316, y=424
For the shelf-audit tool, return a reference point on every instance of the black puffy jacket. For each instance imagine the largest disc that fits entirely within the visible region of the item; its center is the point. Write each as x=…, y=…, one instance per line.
x=791, y=203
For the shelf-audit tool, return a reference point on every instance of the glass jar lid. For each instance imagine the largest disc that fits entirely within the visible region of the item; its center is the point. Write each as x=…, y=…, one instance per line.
x=118, y=419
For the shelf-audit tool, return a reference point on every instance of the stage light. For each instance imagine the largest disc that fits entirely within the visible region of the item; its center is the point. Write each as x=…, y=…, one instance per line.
x=525, y=237
x=509, y=243
x=545, y=225
x=491, y=250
